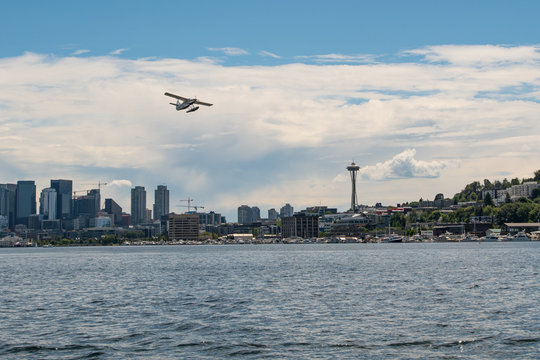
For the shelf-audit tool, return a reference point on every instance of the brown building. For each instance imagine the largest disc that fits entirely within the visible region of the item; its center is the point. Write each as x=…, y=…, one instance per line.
x=183, y=227
x=300, y=225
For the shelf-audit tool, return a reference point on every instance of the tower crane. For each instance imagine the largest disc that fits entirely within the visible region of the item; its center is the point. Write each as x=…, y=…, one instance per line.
x=99, y=184
x=189, y=206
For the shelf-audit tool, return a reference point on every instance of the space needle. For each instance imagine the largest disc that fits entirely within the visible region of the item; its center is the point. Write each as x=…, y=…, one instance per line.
x=353, y=169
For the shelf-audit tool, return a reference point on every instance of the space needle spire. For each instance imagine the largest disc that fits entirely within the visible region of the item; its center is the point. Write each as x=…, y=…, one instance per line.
x=353, y=169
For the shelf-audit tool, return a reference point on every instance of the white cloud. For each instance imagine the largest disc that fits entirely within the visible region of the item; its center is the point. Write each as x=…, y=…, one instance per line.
x=403, y=165
x=80, y=52
x=267, y=53
x=339, y=58
x=120, y=183
x=118, y=51
x=275, y=134
x=230, y=51
x=479, y=54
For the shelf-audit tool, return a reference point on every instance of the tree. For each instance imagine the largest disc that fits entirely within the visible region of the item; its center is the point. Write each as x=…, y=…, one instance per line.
x=537, y=175
x=488, y=185
x=488, y=201
x=535, y=193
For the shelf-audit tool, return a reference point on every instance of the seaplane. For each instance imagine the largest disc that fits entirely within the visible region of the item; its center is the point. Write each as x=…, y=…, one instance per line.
x=186, y=103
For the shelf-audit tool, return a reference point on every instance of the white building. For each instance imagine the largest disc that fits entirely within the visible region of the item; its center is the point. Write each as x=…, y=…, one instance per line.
x=523, y=190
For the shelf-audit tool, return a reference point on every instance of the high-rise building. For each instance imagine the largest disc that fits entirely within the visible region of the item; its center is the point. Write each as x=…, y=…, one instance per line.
x=111, y=207
x=255, y=214
x=183, y=227
x=7, y=202
x=161, y=202
x=272, y=214
x=25, y=200
x=138, y=205
x=244, y=214
x=286, y=210
x=211, y=218
x=64, y=199
x=47, y=204
x=87, y=205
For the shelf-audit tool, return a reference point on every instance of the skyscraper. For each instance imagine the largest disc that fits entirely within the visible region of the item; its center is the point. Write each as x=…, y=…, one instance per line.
x=47, y=204
x=25, y=200
x=87, y=205
x=161, y=202
x=111, y=207
x=138, y=205
x=244, y=214
x=286, y=210
x=7, y=202
x=64, y=199
x=272, y=214
x=255, y=214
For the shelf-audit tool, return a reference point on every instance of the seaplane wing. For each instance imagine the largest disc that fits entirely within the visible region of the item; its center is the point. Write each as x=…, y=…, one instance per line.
x=176, y=96
x=202, y=103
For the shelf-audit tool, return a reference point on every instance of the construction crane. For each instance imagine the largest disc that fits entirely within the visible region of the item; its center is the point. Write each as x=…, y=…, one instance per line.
x=79, y=191
x=99, y=183
x=189, y=206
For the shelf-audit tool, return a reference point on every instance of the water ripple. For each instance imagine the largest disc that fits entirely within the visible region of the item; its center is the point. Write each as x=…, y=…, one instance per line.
x=453, y=301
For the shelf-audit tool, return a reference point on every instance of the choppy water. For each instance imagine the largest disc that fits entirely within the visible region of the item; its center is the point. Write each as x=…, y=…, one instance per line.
x=455, y=301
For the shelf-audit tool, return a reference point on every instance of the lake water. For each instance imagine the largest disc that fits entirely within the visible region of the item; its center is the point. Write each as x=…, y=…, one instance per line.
x=323, y=301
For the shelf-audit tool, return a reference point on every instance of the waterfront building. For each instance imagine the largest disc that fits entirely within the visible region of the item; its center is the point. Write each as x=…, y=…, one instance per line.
x=183, y=227
x=48, y=203
x=161, y=202
x=209, y=219
x=34, y=221
x=3, y=223
x=300, y=225
x=25, y=201
x=103, y=221
x=320, y=210
x=111, y=207
x=138, y=205
x=64, y=198
x=286, y=210
x=7, y=203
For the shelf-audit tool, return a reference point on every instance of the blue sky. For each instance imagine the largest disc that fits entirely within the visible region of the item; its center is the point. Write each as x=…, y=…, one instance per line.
x=426, y=96
x=183, y=29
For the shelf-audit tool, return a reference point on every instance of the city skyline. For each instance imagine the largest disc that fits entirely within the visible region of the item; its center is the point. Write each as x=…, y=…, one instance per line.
x=295, y=100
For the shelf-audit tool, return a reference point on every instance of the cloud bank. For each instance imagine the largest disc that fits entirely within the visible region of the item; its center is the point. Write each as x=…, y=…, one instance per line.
x=275, y=134
x=403, y=165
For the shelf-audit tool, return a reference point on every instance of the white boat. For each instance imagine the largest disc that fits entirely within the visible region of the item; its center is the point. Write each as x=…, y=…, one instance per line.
x=520, y=237
x=394, y=238
x=490, y=238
